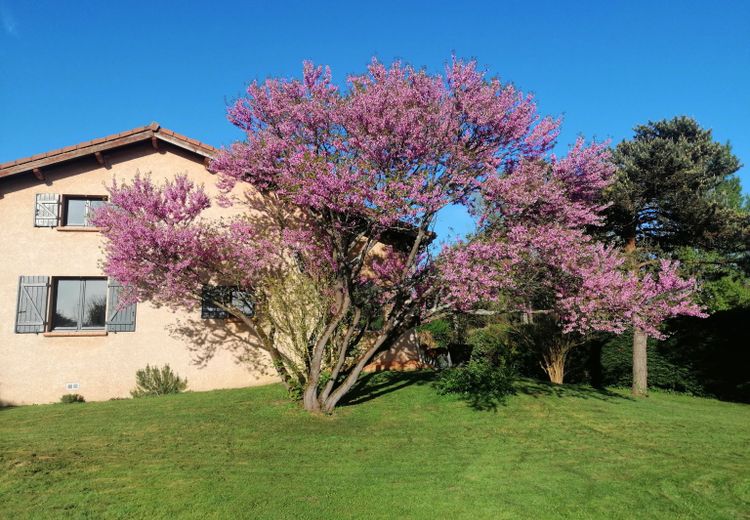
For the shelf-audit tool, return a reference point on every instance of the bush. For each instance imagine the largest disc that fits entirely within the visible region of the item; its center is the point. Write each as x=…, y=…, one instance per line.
x=152, y=381
x=72, y=398
x=663, y=370
x=440, y=333
x=493, y=343
x=487, y=377
x=484, y=386
x=707, y=357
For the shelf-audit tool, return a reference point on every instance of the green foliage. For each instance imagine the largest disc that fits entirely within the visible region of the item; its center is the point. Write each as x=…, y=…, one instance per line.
x=151, y=381
x=724, y=284
x=728, y=292
x=451, y=330
x=483, y=385
x=496, y=343
x=663, y=371
x=487, y=378
x=675, y=187
x=441, y=332
x=72, y=398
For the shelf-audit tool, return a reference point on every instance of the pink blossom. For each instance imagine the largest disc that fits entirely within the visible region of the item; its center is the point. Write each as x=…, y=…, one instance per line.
x=390, y=151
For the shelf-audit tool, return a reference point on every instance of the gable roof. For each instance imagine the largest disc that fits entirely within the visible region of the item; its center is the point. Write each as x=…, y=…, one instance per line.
x=153, y=132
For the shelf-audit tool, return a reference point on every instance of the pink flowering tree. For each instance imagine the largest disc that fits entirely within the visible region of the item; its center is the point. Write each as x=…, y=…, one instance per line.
x=350, y=184
x=534, y=254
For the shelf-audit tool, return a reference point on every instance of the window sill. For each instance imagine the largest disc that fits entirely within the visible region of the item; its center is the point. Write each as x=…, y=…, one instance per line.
x=74, y=333
x=84, y=229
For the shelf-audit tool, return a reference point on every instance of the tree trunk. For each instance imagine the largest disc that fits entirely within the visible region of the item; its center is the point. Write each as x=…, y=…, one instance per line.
x=640, y=338
x=310, y=398
x=349, y=381
x=630, y=244
x=554, y=365
x=640, y=363
x=556, y=373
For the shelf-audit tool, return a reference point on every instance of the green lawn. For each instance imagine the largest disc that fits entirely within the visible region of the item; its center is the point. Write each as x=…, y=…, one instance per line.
x=406, y=453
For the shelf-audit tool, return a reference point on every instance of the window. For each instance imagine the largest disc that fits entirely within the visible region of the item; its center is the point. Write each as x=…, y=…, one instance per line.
x=77, y=211
x=76, y=304
x=79, y=304
x=238, y=298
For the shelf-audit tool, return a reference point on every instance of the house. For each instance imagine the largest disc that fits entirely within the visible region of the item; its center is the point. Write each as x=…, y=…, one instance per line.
x=61, y=329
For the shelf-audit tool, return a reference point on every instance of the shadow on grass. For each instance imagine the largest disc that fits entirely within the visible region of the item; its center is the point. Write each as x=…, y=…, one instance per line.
x=376, y=384
x=486, y=402
x=536, y=388
x=373, y=385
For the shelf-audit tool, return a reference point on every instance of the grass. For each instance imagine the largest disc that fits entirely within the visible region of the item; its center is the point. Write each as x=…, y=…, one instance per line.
x=398, y=450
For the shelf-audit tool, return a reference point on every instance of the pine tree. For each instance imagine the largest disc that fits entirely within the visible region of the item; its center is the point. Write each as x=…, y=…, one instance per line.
x=675, y=189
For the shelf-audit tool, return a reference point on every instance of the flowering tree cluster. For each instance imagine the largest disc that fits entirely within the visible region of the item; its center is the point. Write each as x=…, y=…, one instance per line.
x=351, y=183
x=540, y=254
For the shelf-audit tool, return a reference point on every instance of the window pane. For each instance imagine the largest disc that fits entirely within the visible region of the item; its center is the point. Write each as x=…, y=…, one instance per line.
x=75, y=212
x=67, y=304
x=94, y=204
x=94, y=304
x=209, y=310
x=241, y=300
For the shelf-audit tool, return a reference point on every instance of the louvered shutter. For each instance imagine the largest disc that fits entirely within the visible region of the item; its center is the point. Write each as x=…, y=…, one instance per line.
x=47, y=210
x=119, y=319
x=31, y=312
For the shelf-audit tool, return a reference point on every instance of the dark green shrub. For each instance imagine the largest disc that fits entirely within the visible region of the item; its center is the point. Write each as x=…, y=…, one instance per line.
x=498, y=343
x=664, y=371
x=701, y=356
x=72, y=398
x=440, y=331
x=487, y=378
x=151, y=381
x=716, y=351
x=484, y=386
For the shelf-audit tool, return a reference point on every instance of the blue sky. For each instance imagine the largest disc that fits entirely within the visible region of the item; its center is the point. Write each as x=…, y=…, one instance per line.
x=76, y=70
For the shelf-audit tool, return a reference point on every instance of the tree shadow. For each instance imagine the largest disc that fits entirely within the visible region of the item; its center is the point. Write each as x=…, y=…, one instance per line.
x=487, y=402
x=483, y=390
x=536, y=388
x=204, y=338
x=376, y=384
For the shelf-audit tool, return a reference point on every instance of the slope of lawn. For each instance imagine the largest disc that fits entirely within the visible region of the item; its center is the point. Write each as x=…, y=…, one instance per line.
x=398, y=450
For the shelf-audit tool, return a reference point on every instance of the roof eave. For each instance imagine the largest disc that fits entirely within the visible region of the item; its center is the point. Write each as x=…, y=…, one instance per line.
x=97, y=146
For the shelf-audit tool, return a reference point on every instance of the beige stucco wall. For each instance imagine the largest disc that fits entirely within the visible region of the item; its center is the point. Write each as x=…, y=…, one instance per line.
x=35, y=368
x=405, y=354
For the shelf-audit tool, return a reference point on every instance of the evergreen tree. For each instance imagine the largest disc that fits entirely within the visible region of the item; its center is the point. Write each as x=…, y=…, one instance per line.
x=675, y=191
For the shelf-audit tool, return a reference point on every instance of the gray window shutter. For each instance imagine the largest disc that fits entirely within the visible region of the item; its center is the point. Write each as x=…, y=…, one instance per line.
x=119, y=319
x=31, y=313
x=47, y=211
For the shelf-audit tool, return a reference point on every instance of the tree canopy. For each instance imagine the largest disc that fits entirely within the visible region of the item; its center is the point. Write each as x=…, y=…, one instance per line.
x=675, y=187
